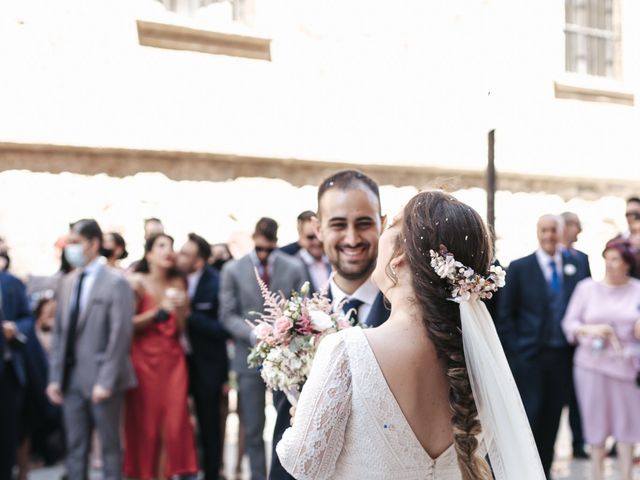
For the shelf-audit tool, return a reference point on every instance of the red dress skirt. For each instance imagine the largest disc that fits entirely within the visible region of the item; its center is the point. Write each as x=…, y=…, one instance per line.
x=156, y=411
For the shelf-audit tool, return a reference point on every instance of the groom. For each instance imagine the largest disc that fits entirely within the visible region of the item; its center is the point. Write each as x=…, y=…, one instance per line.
x=349, y=225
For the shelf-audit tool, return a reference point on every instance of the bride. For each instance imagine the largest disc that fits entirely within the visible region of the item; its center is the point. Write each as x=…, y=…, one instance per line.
x=429, y=394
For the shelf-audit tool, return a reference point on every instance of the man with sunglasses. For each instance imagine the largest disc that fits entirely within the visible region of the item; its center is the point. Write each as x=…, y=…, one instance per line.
x=239, y=297
x=311, y=252
x=632, y=214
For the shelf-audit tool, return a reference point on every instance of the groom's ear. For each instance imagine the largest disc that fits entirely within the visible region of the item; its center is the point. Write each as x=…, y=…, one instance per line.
x=383, y=222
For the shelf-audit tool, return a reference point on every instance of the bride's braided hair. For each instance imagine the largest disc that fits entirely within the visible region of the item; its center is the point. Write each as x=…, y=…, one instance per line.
x=432, y=219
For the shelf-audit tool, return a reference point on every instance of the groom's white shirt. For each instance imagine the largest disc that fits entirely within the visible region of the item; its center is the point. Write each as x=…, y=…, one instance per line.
x=366, y=293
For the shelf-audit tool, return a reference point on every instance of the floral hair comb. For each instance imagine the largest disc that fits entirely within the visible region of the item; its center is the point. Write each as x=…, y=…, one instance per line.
x=466, y=284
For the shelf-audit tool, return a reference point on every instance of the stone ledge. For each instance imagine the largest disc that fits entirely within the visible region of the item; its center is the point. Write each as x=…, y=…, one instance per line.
x=176, y=37
x=590, y=94
x=218, y=167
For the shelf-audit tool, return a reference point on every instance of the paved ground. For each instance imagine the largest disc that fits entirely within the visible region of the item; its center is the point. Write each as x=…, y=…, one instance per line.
x=564, y=468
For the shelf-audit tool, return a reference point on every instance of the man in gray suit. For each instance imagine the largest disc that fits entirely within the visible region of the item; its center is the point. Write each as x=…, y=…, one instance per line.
x=90, y=365
x=239, y=296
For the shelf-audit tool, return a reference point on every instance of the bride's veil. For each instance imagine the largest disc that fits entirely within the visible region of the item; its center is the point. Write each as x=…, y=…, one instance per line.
x=507, y=434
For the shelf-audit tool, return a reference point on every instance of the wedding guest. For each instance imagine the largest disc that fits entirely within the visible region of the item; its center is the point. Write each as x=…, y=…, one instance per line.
x=114, y=249
x=208, y=361
x=159, y=438
x=90, y=366
x=152, y=226
x=603, y=320
x=311, y=252
x=634, y=240
x=349, y=226
x=44, y=434
x=571, y=229
x=529, y=323
x=220, y=254
x=15, y=320
x=239, y=297
x=632, y=213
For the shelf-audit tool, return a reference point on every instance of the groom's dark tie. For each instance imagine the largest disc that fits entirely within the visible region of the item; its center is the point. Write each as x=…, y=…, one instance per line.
x=350, y=309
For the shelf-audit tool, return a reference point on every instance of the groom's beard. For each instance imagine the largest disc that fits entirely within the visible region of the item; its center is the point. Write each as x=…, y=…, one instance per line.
x=355, y=271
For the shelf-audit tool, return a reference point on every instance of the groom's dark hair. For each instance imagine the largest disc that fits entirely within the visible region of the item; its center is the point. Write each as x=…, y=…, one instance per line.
x=346, y=180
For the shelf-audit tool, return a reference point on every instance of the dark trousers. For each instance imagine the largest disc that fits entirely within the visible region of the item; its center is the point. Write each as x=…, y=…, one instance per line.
x=543, y=382
x=11, y=401
x=283, y=421
x=206, y=389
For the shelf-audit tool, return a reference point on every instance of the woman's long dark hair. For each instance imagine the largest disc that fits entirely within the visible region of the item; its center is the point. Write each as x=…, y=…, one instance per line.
x=143, y=264
x=432, y=219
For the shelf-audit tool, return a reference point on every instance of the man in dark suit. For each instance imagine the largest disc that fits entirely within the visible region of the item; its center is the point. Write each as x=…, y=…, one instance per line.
x=530, y=313
x=90, y=353
x=571, y=229
x=15, y=320
x=349, y=225
x=239, y=297
x=208, y=361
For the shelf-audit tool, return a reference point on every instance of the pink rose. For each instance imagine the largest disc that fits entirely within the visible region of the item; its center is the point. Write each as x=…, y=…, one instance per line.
x=282, y=325
x=263, y=330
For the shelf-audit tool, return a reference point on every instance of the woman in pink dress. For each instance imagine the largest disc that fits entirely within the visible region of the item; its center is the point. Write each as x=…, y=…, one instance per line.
x=603, y=319
x=159, y=439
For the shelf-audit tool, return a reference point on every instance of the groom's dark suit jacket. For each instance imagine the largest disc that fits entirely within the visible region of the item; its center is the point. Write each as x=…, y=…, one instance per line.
x=378, y=314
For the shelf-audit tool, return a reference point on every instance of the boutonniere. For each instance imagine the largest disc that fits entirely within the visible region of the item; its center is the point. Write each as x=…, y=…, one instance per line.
x=570, y=269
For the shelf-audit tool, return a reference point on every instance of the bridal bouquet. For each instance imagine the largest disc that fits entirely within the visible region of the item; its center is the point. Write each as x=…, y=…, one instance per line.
x=288, y=333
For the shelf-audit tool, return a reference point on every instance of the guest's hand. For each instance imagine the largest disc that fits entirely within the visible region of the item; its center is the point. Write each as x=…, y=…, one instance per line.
x=100, y=394
x=177, y=297
x=603, y=331
x=55, y=394
x=9, y=329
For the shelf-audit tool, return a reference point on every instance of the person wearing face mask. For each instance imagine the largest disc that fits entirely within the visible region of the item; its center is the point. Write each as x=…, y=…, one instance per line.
x=90, y=364
x=220, y=254
x=239, y=297
x=114, y=249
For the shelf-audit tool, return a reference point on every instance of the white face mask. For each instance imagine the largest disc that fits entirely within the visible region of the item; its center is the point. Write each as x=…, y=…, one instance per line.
x=74, y=253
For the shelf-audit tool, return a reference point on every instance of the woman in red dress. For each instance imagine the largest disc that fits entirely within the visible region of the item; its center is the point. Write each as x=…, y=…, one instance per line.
x=159, y=439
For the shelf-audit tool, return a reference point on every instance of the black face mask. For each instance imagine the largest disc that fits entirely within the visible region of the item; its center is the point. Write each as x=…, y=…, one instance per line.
x=219, y=263
x=107, y=252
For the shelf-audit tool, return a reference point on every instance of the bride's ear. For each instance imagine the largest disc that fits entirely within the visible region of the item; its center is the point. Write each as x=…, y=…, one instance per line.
x=398, y=262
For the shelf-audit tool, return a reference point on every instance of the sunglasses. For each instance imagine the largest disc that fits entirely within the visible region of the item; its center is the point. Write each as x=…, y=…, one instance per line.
x=311, y=238
x=265, y=249
x=634, y=215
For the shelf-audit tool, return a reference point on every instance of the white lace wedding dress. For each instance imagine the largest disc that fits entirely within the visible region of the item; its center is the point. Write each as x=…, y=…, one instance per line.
x=348, y=424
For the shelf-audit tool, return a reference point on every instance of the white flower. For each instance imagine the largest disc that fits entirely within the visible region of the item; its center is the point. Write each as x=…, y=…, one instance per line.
x=321, y=321
x=570, y=269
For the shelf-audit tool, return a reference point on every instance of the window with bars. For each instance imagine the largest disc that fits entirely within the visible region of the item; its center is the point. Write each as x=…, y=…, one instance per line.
x=592, y=37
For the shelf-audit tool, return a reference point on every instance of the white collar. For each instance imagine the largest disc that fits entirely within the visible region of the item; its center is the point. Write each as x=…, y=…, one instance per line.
x=545, y=258
x=195, y=276
x=94, y=265
x=367, y=292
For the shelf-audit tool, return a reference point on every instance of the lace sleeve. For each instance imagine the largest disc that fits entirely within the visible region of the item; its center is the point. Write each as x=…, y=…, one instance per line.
x=310, y=449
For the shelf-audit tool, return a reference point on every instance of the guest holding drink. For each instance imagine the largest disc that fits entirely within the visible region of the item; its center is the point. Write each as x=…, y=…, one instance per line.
x=159, y=439
x=603, y=318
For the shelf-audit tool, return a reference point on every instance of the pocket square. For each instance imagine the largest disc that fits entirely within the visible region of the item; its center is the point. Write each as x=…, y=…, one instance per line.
x=203, y=306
